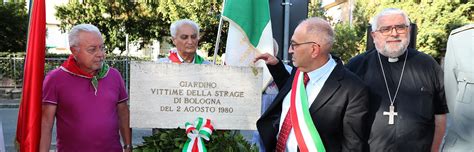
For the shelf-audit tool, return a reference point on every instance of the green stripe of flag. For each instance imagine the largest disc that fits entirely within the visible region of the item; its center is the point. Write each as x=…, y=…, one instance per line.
x=204, y=149
x=199, y=123
x=309, y=121
x=251, y=15
x=186, y=146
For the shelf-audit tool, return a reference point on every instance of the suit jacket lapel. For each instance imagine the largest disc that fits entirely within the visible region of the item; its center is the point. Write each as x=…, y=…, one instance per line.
x=281, y=95
x=330, y=87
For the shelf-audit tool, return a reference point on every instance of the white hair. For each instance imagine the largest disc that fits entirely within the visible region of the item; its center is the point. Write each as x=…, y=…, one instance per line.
x=388, y=11
x=177, y=24
x=74, y=32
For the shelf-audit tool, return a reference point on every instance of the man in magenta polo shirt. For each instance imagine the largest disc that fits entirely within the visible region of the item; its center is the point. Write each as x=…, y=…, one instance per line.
x=87, y=98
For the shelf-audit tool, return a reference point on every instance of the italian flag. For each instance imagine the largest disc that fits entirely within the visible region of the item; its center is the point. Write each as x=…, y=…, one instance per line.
x=250, y=33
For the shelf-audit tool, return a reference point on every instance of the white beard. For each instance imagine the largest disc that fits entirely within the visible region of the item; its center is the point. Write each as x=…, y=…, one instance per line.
x=395, y=52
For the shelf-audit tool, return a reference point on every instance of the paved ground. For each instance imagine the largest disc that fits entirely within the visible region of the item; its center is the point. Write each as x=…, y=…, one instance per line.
x=8, y=121
x=9, y=103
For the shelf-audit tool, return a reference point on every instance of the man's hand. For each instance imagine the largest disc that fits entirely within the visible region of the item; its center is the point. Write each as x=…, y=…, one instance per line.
x=127, y=150
x=268, y=58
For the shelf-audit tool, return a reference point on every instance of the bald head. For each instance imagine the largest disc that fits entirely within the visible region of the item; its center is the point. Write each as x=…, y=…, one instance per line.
x=320, y=30
x=311, y=43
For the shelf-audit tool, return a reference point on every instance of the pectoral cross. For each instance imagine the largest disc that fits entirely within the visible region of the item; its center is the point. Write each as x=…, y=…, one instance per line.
x=391, y=114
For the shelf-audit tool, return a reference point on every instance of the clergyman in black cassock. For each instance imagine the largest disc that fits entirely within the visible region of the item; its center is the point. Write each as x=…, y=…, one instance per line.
x=407, y=100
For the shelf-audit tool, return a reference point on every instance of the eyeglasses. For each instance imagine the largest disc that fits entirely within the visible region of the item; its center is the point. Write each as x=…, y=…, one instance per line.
x=399, y=29
x=293, y=44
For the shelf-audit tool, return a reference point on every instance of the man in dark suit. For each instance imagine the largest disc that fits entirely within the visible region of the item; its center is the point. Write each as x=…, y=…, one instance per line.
x=329, y=112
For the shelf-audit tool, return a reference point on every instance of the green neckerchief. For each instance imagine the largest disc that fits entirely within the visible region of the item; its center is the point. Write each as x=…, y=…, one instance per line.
x=198, y=59
x=101, y=74
x=174, y=57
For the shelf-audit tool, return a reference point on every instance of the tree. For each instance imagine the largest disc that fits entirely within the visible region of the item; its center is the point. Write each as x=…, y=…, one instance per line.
x=115, y=20
x=13, y=27
x=347, y=41
x=315, y=9
x=205, y=13
x=144, y=22
x=347, y=38
x=435, y=20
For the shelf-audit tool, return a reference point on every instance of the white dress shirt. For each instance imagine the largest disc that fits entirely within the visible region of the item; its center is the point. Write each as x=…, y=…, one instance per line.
x=317, y=78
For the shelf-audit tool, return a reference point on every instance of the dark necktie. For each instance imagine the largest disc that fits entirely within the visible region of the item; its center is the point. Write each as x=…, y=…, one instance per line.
x=286, y=126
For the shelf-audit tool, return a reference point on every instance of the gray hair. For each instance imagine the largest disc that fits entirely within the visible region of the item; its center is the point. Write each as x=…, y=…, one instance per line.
x=320, y=28
x=177, y=24
x=74, y=32
x=388, y=11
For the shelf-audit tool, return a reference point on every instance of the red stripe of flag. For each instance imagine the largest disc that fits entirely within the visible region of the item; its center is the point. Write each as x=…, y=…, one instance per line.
x=294, y=117
x=29, y=115
x=195, y=145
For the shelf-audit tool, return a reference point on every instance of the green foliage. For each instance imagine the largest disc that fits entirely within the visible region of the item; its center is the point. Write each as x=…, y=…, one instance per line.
x=315, y=9
x=11, y=66
x=173, y=140
x=350, y=39
x=115, y=20
x=205, y=13
x=13, y=27
x=15, y=1
x=435, y=20
x=347, y=41
x=144, y=22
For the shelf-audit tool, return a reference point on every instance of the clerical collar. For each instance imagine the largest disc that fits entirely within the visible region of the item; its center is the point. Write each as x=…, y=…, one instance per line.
x=395, y=59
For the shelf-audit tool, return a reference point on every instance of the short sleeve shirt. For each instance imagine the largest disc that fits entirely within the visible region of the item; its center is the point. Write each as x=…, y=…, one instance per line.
x=85, y=121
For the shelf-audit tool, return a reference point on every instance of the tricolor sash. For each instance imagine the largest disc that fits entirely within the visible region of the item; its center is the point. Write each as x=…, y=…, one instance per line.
x=306, y=134
x=202, y=129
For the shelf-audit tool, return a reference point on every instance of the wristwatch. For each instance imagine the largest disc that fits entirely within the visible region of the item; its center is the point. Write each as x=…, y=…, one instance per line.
x=127, y=147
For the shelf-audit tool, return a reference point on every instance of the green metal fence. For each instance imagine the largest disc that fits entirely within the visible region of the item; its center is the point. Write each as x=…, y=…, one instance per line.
x=12, y=67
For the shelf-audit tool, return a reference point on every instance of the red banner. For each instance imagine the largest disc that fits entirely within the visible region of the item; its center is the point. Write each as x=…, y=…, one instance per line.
x=29, y=116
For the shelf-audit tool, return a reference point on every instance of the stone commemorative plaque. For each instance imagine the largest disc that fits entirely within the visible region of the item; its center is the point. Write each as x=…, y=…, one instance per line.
x=164, y=95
